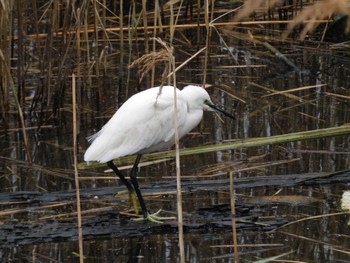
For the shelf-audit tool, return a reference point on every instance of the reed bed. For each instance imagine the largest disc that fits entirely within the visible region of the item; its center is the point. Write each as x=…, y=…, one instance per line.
x=246, y=53
x=47, y=55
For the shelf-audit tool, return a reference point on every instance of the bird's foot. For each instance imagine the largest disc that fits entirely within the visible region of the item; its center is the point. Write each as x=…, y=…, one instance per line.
x=155, y=218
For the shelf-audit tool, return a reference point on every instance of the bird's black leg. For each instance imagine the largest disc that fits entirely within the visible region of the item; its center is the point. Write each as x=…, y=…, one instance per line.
x=121, y=176
x=134, y=188
x=133, y=179
x=133, y=197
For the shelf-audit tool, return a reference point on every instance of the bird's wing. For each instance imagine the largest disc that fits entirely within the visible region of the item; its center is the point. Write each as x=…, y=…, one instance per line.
x=144, y=123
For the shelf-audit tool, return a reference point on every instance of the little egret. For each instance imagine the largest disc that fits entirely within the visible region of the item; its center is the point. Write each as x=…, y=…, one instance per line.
x=144, y=124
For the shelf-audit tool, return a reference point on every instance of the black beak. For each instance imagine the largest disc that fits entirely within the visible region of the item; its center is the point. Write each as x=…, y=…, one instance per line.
x=217, y=108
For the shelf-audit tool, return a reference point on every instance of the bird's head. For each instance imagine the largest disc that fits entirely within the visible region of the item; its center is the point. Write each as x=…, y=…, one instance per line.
x=198, y=98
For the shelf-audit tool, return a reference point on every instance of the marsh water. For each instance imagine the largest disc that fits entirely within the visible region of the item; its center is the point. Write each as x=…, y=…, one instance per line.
x=246, y=80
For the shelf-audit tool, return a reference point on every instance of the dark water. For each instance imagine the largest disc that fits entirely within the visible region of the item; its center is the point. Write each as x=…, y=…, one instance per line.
x=243, y=83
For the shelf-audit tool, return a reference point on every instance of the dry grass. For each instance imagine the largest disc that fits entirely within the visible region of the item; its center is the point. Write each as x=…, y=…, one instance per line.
x=311, y=15
x=54, y=59
x=314, y=13
x=148, y=61
x=251, y=6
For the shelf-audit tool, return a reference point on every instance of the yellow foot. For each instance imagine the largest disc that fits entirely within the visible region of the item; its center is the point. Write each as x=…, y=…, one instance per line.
x=155, y=218
x=133, y=200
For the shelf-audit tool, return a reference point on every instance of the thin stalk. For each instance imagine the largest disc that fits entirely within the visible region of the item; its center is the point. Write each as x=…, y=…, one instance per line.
x=75, y=143
x=5, y=43
x=172, y=25
x=233, y=217
x=87, y=47
x=76, y=174
x=177, y=146
x=145, y=22
x=96, y=29
x=310, y=218
x=155, y=19
x=185, y=62
x=178, y=179
x=207, y=41
x=121, y=43
x=178, y=26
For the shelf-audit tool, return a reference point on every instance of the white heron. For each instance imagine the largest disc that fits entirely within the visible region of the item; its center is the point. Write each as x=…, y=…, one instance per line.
x=144, y=124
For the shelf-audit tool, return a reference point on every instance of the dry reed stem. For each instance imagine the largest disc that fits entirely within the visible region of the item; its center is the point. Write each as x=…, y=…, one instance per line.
x=207, y=40
x=233, y=217
x=337, y=95
x=177, y=160
x=75, y=155
x=172, y=66
x=75, y=214
x=311, y=218
x=186, y=61
x=36, y=167
x=32, y=209
x=295, y=89
x=178, y=26
x=250, y=245
x=273, y=91
x=317, y=241
x=155, y=20
x=244, y=167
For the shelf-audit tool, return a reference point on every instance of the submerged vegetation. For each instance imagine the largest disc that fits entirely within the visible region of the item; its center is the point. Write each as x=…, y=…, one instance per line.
x=282, y=67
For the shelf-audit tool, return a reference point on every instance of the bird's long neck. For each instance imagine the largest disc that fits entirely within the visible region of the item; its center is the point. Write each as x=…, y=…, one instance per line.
x=194, y=117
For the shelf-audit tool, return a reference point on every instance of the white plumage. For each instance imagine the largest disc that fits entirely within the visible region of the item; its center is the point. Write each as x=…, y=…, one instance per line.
x=145, y=123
